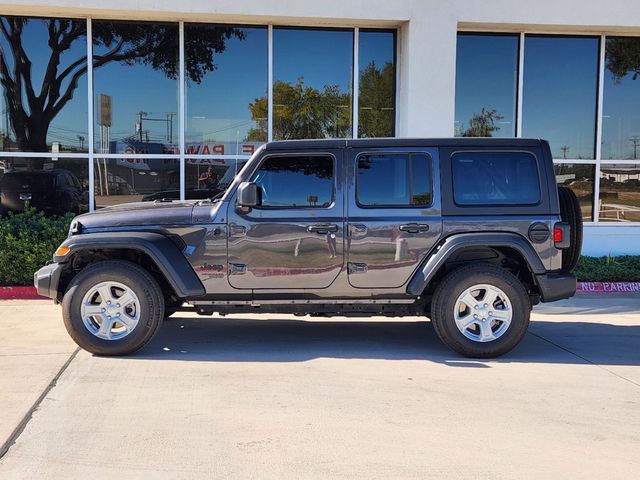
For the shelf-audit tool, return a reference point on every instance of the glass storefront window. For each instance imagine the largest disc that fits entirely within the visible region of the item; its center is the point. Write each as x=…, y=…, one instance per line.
x=135, y=80
x=53, y=186
x=43, y=109
x=486, y=85
x=206, y=178
x=559, y=95
x=620, y=116
x=579, y=178
x=122, y=180
x=376, y=82
x=620, y=193
x=226, y=88
x=312, y=81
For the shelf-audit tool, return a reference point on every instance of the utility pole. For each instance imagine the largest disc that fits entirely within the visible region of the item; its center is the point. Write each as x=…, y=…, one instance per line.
x=81, y=140
x=140, y=115
x=635, y=139
x=564, y=149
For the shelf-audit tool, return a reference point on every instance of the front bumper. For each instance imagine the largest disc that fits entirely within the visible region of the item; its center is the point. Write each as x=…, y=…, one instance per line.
x=556, y=286
x=46, y=280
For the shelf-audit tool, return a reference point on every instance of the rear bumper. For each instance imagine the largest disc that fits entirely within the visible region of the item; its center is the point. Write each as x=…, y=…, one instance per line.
x=46, y=280
x=556, y=286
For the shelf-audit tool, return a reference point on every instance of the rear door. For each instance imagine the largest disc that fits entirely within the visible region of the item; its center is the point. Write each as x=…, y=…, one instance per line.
x=393, y=214
x=295, y=238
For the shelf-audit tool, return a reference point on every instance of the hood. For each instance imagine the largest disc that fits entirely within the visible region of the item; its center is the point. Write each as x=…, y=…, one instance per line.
x=140, y=214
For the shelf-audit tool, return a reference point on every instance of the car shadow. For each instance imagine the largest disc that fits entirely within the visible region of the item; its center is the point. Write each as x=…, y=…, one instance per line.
x=236, y=339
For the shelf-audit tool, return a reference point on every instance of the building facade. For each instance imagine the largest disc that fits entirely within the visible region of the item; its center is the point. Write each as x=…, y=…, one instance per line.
x=112, y=101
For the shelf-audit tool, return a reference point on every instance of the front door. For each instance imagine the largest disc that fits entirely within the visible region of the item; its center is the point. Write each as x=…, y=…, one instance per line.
x=394, y=216
x=294, y=238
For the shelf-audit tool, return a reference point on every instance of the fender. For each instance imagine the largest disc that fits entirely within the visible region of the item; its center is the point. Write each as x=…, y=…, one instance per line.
x=451, y=244
x=162, y=251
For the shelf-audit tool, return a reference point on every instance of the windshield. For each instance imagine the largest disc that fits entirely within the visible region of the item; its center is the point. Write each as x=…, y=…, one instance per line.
x=235, y=179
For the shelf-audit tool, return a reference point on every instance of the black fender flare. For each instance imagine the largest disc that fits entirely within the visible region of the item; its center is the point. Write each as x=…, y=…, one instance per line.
x=450, y=245
x=163, y=252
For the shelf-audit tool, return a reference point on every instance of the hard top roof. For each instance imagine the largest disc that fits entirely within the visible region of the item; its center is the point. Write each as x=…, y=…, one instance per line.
x=403, y=142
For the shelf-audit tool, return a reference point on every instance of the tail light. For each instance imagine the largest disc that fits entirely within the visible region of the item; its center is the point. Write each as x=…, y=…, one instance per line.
x=562, y=235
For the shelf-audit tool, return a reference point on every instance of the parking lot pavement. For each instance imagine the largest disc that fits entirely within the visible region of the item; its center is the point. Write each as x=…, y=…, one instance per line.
x=285, y=397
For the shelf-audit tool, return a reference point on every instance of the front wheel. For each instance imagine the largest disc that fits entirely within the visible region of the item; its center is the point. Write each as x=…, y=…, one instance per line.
x=480, y=310
x=113, y=308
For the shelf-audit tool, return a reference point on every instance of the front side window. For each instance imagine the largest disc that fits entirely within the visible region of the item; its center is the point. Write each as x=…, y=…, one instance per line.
x=296, y=181
x=495, y=178
x=395, y=180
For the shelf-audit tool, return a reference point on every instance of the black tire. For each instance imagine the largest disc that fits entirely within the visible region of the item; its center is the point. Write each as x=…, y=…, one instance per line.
x=134, y=277
x=570, y=212
x=454, y=284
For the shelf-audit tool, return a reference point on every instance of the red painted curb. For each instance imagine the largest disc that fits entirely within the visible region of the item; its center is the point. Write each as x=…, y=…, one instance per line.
x=608, y=287
x=19, y=293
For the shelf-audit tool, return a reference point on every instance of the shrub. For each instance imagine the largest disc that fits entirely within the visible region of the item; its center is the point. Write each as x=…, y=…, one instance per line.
x=625, y=268
x=27, y=242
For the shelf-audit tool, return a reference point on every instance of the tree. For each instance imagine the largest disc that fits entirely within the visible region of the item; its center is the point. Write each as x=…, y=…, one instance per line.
x=623, y=57
x=376, y=101
x=302, y=112
x=32, y=107
x=483, y=124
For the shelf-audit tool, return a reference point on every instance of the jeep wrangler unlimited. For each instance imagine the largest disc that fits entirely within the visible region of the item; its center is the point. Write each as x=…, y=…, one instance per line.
x=468, y=232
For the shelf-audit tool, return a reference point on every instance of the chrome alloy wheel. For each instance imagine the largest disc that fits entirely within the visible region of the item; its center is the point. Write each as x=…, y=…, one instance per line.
x=483, y=313
x=110, y=310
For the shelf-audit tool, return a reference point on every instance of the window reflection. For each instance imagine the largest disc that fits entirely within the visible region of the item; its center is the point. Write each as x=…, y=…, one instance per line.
x=312, y=83
x=621, y=118
x=135, y=86
x=486, y=85
x=376, y=93
x=122, y=180
x=27, y=123
x=560, y=91
x=580, y=179
x=56, y=187
x=206, y=178
x=620, y=193
x=227, y=72
x=295, y=181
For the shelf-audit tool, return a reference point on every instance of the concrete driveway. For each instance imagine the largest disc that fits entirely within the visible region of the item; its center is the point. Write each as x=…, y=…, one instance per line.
x=288, y=398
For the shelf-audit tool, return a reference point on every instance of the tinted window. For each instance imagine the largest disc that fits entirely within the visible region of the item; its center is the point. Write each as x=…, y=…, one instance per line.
x=377, y=71
x=226, y=89
x=580, y=179
x=620, y=116
x=305, y=181
x=394, y=180
x=123, y=180
x=620, y=193
x=559, y=93
x=486, y=84
x=312, y=81
x=135, y=86
x=495, y=178
x=53, y=51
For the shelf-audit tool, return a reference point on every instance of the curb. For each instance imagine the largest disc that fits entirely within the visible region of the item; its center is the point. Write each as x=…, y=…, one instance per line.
x=29, y=293
x=20, y=293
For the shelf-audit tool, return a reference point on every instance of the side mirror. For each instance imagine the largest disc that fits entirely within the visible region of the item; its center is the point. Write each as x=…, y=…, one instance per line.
x=247, y=195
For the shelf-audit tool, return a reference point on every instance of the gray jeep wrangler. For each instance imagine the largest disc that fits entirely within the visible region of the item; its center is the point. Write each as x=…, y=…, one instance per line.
x=468, y=232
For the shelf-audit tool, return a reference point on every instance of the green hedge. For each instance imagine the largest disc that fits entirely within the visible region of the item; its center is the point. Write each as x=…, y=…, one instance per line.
x=27, y=242
x=624, y=268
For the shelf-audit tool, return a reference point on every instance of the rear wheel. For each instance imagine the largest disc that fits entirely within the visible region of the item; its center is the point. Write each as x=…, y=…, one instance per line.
x=480, y=310
x=113, y=308
x=570, y=213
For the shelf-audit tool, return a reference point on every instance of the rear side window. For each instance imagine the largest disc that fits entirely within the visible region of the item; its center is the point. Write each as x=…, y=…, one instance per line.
x=296, y=181
x=394, y=180
x=495, y=178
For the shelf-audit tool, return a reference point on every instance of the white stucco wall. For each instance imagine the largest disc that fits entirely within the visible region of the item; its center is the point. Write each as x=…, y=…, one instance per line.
x=426, y=48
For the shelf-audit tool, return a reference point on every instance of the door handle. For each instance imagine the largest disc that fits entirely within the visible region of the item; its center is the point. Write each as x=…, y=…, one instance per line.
x=414, y=227
x=322, y=229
